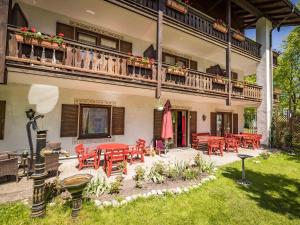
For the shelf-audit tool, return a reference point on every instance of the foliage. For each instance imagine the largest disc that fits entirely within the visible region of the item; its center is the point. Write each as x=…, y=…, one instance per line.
x=52, y=189
x=250, y=79
x=96, y=187
x=202, y=165
x=265, y=155
x=116, y=185
x=249, y=117
x=140, y=174
x=172, y=172
x=272, y=198
x=159, y=167
x=157, y=172
x=190, y=173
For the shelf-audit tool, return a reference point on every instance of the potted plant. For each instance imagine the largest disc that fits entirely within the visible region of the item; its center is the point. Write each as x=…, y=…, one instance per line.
x=238, y=35
x=140, y=61
x=177, y=70
x=179, y=5
x=219, y=25
x=219, y=80
x=32, y=37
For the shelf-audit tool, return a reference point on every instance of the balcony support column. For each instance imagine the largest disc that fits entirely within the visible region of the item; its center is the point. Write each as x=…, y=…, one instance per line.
x=228, y=51
x=4, y=8
x=264, y=78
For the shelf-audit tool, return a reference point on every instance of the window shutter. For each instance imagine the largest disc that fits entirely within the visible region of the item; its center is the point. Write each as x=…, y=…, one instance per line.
x=193, y=65
x=125, y=47
x=193, y=123
x=66, y=29
x=235, y=123
x=118, y=120
x=157, y=124
x=2, y=119
x=69, y=120
x=213, y=123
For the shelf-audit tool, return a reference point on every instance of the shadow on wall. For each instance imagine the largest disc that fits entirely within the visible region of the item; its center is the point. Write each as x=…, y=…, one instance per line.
x=277, y=193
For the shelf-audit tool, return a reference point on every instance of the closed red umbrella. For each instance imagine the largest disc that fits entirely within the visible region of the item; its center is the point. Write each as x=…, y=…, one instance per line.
x=167, y=127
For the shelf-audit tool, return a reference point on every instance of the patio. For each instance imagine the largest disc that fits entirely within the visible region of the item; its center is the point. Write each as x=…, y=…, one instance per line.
x=11, y=191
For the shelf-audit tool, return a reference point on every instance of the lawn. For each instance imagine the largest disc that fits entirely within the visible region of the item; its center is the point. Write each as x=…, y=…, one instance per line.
x=273, y=198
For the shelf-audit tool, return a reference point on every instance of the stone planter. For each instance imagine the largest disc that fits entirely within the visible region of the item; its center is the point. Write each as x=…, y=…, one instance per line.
x=36, y=42
x=180, y=7
x=220, y=27
x=238, y=36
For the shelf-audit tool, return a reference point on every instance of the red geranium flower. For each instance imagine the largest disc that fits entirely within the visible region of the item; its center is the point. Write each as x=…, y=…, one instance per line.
x=61, y=34
x=24, y=29
x=33, y=30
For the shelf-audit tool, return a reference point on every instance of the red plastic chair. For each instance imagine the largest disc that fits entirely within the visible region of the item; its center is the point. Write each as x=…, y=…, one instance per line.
x=84, y=155
x=214, y=146
x=116, y=160
x=231, y=143
x=137, y=152
x=160, y=147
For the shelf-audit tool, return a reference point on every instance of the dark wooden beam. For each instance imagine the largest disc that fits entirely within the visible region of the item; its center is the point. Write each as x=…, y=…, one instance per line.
x=159, y=37
x=216, y=3
x=249, y=7
x=4, y=8
x=228, y=51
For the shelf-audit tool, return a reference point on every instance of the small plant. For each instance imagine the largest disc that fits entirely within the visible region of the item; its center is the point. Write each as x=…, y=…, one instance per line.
x=159, y=167
x=156, y=177
x=265, y=155
x=122, y=166
x=172, y=172
x=116, y=185
x=202, y=165
x=96, y=187
x=139, y=176
x=52, y=189
x=190, y=173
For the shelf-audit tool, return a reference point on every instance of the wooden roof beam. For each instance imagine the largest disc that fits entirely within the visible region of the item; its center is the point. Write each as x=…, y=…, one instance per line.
x=249, y=7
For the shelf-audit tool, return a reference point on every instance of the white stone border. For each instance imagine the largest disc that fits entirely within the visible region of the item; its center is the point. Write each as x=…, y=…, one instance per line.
x=157, y=193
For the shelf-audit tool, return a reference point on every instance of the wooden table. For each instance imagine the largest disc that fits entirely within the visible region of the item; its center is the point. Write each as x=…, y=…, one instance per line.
x=109, y=147
x=205, y=139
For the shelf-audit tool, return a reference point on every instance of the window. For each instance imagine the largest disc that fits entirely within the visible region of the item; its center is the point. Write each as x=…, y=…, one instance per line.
x=94, y=121
x=86, y=38
x=108, y=43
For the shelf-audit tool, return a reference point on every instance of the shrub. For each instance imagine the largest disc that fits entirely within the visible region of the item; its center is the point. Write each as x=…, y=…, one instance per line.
x=96, y=187
x=171, y=171
x=116, y=185
x=190, y=173
x=202, y=165
x=156, y=177
x=159, y=167
x=139, y=176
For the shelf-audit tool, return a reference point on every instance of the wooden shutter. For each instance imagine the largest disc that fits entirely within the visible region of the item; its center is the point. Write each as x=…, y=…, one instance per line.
x=193, y=65
x=69, y=120
x=2, y=119
x=125, y=46
x=235, y=123
x=150, y=52
x=18, y=18
x=157, y=124
x=68, y=30
x=213, y=124
x=118, y=120
x=193, y=124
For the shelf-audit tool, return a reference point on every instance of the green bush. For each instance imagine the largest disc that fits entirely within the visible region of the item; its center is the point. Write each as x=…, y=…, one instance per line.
x=190, y=173
x=139, y=177
x=96, y=187
x=116, y=185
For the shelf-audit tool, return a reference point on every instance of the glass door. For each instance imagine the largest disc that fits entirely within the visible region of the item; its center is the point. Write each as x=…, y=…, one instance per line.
x=224, y=123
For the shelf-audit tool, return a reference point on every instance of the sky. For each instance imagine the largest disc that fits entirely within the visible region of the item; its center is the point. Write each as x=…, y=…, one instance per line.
x=278, y=37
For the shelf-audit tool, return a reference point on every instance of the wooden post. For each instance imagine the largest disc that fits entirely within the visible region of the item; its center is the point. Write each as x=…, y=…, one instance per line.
x=4, y=7
x=159, y=36
x=228, y=51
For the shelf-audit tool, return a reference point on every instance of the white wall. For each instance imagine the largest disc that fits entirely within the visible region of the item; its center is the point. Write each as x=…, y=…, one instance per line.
x=138, y=116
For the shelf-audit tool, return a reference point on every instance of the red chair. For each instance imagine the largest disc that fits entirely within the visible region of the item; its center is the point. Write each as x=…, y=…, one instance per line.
x=84, y=156
x=215, y=145
x=137, y=152
x=250, y=140
x=231, y=143
x=116, y=160
x=229, y=135
x=160, y=147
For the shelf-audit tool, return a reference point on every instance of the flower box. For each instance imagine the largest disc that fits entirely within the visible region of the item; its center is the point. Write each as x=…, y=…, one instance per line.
x=139, y=64
x=36, y=42
x=219, y=80
x=178, y=6
x=179, y=72
x=220, y=27
x=238, y=36
x=238, y=84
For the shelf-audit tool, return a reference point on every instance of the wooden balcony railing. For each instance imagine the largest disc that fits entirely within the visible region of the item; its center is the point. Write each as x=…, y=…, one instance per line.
x=202, y=23
x=77, y=59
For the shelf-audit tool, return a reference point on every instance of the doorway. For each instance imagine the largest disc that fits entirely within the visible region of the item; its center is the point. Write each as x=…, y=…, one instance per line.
x=180, y=128
x=224, y=123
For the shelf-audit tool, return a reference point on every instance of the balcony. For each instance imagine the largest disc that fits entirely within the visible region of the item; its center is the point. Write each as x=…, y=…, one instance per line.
x=197, y=22
x=81, y=61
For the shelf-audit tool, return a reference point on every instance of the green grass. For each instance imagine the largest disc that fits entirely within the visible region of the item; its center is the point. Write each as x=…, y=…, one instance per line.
x=273, y=198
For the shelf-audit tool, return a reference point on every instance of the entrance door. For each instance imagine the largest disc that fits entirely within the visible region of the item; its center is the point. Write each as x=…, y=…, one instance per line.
x=179, y=120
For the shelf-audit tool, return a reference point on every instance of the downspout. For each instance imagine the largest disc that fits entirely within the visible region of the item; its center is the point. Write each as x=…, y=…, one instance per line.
x=271, y=67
